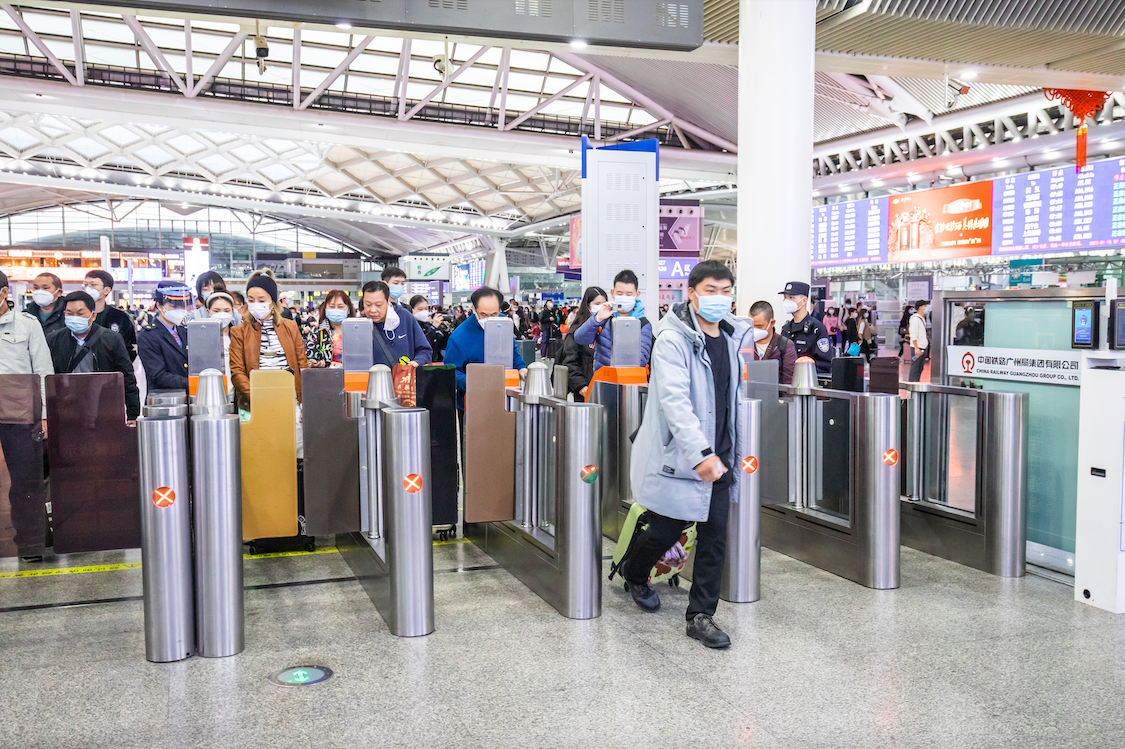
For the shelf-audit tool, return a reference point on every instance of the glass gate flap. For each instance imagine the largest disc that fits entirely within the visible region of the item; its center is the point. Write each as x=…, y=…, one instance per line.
x=837, y=505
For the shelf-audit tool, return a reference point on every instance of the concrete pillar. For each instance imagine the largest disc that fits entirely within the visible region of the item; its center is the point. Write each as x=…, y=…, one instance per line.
x=777, y=42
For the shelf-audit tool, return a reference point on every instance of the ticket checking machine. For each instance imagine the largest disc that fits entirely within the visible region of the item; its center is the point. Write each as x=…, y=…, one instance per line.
x=1099, y=555
x=622, y=389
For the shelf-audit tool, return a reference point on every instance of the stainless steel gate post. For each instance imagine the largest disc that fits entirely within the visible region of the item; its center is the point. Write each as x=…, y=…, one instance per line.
x=578, y=535
x=166, y=534
x=1003, y=461
x=217, y=504
x=879, y=484
x=407, y=513
x=742, y=573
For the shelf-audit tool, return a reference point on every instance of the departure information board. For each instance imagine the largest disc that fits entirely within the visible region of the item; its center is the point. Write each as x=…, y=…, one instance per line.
x=1053, y=210
x=850, y=233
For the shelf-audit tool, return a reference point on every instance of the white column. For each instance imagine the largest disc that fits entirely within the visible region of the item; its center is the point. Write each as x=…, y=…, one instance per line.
x=777, y=42
x=496, y=267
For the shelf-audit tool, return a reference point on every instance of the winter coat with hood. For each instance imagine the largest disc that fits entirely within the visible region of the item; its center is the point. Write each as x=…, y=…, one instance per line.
x=678, y=429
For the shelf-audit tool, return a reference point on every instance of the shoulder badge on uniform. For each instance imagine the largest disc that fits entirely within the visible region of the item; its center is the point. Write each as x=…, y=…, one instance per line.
x=115, y=327
x=822, y=344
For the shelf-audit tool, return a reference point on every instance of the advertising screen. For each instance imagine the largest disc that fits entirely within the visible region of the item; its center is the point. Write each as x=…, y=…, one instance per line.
x=949, y=222
x=460, y=278
x=850, y=233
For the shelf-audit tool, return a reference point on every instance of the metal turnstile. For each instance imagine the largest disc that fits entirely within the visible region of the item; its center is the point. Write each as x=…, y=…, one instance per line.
x=836, y=507
x=742, y=569
x=964, y=492
x=622, y=390
x=393, y=555
x=549, y=536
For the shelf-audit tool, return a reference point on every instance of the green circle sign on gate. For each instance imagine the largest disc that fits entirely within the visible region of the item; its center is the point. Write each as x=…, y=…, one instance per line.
x=301, y=676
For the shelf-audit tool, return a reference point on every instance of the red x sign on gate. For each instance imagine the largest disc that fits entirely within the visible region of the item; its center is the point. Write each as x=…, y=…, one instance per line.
x=163, y=496
x=890, y=457
x=750, y=464
x=412, y=483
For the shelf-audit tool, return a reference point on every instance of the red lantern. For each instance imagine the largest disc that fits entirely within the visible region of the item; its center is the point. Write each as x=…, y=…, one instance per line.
x=1082, y=104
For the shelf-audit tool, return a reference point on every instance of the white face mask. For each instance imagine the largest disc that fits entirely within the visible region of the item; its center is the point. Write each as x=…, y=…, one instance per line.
x=92, y=293
x=391, y=321
x=422, y=315
x=624, y=303
x=175, y=316
x=790, y=306
x=224, y=318
x=260, y=310
x=760, y=335
x=42, y=297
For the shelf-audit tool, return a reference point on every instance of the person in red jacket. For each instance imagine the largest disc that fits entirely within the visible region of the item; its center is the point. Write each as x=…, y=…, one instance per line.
x=769, y=344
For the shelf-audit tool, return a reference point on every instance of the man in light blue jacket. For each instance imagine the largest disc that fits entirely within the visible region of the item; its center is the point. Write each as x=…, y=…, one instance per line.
x=626, y=301
x=681, y=461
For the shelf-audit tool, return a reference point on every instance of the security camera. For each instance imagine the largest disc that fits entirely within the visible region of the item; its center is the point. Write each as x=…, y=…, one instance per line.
x=441, y=65
x=260, y=47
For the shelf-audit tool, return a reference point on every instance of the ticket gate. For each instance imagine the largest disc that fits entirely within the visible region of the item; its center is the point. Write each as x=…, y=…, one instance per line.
x=837, y=505
x=964, y=490
x=533, y=485
x=742, y=569
x=191, y=524
x=393, y=555
x=622, y=389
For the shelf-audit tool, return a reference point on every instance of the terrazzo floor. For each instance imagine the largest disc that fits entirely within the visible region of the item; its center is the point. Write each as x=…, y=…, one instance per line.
x=954, y=658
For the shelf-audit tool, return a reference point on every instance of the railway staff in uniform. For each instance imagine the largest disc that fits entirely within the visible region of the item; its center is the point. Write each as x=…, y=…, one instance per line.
x=808, y=334
x=162, y=344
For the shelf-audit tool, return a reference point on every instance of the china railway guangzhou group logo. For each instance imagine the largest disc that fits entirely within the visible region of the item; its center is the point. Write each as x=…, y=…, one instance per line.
x=968, y=362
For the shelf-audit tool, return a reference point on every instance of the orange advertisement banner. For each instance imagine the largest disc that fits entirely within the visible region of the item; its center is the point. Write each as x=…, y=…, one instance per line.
x=949, y=222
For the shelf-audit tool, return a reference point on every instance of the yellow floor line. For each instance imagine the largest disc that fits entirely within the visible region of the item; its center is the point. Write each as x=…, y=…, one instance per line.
x=52, y=571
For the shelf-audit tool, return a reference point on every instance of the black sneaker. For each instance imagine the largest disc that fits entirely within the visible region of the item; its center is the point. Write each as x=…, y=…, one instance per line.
x=34, y=559
x=644, y=596
x=703, y=628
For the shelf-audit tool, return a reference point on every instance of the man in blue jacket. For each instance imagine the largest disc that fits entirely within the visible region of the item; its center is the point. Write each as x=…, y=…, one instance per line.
x=626, y=300
x=397, y=335
x=466, y=344
x=680, y=468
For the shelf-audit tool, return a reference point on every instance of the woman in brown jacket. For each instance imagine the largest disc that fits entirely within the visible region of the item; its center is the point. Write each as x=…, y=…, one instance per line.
x=266, y=340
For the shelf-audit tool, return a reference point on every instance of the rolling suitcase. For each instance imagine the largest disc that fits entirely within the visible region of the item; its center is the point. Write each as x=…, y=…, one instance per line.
x=667, y=568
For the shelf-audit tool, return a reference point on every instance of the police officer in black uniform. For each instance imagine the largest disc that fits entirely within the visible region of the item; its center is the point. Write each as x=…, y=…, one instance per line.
x=808, y=334
x=162, y=344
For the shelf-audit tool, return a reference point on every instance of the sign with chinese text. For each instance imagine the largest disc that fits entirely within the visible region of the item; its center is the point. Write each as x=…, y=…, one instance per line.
x=1021, y=365
x=950, y=222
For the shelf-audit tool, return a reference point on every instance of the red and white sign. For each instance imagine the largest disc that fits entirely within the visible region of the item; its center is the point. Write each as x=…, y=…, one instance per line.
x=890, y=457
x=163, y=496
x=750, y=464
x=196, y=243
x=1062, y=367
x=412, y=483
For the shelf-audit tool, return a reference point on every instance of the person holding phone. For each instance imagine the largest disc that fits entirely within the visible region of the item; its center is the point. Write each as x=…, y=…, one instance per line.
x=624, y=302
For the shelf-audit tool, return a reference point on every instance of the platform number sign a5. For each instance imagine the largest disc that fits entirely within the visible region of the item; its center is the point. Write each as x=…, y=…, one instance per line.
x=589, y=474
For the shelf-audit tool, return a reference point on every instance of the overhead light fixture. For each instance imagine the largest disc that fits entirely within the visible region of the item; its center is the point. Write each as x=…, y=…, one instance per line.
x=578, y=44
x=969, y=75
x=343, y=26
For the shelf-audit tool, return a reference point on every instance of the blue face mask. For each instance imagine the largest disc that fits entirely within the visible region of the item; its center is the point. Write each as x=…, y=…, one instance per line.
x=714, y=307
x=336, y=315
x=397, y=290
x=77, y=324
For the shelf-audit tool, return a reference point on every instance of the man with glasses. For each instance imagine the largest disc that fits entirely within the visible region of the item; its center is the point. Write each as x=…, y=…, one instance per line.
x=466, y=344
